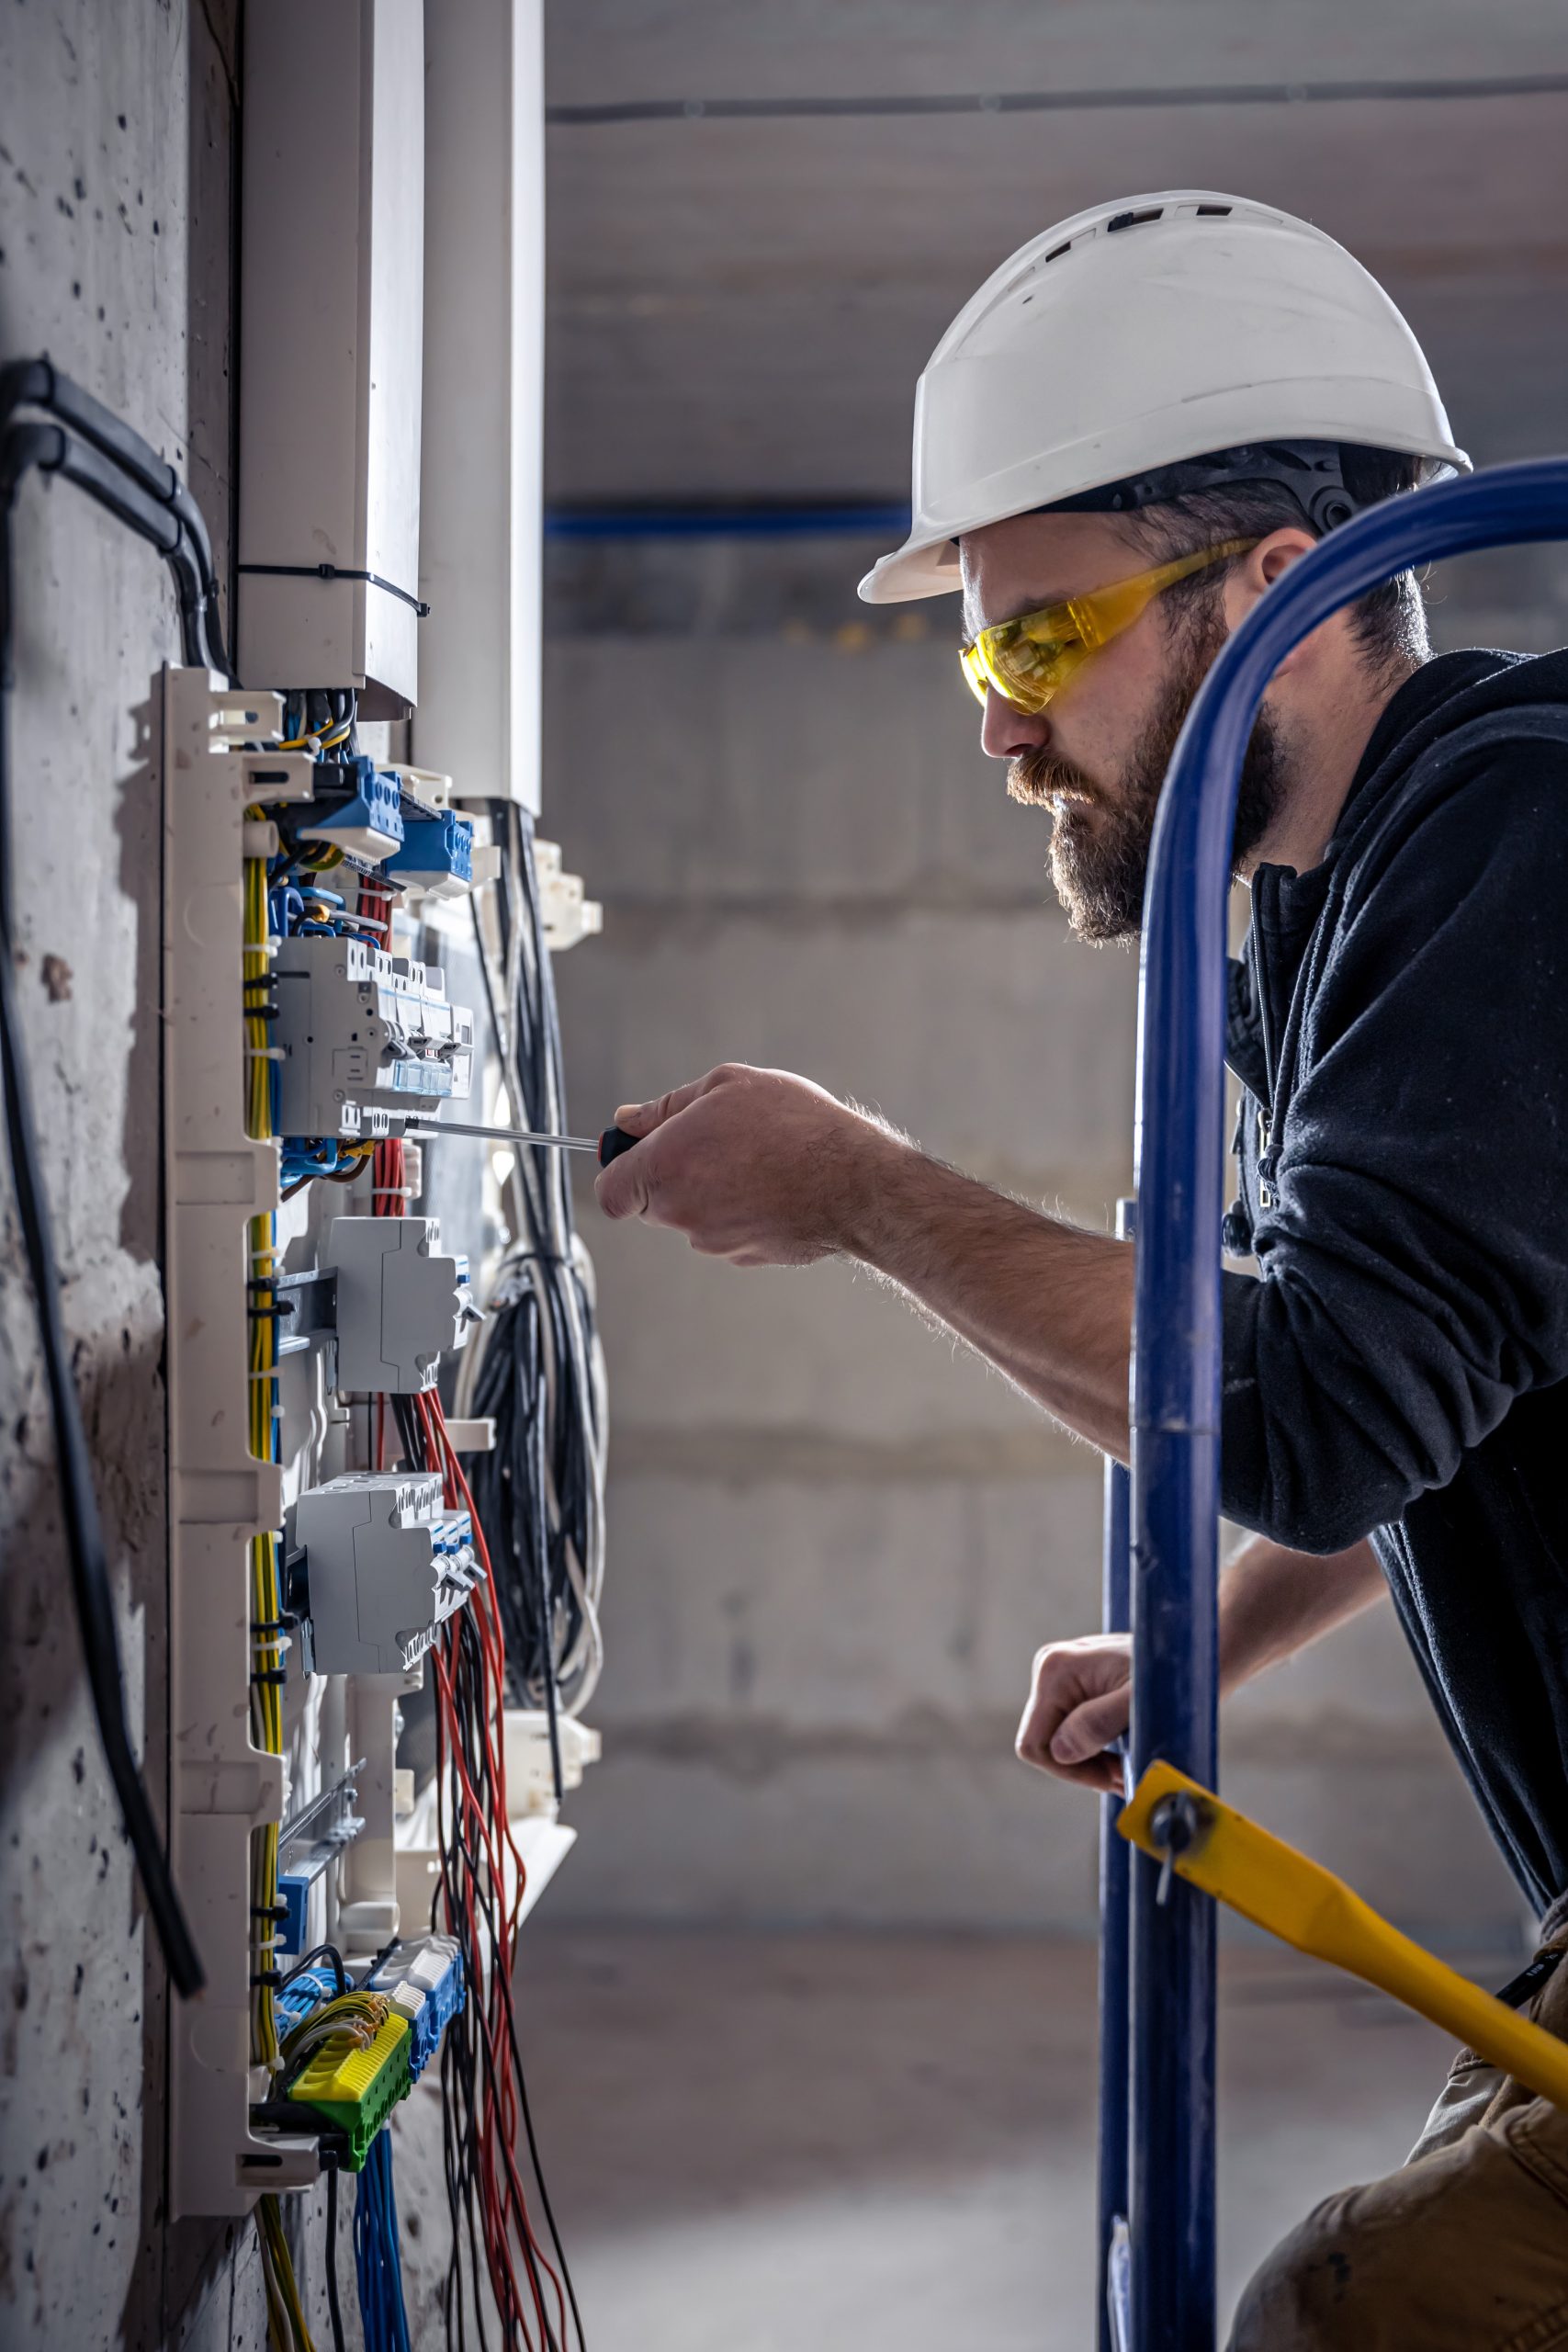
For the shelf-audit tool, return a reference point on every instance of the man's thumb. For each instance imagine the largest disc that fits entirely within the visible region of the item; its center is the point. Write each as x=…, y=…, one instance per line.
x=1093, y=1726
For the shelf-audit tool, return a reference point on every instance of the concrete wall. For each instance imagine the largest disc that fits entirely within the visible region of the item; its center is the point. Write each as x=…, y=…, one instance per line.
x=835, y=1540
x=115, y=239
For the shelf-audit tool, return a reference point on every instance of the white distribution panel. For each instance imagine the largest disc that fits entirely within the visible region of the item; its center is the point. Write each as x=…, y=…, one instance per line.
x=331, y=296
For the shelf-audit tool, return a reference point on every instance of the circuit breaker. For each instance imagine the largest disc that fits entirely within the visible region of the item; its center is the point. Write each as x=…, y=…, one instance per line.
x=360, y=1032
x=385, y=1564
x=401, y=1302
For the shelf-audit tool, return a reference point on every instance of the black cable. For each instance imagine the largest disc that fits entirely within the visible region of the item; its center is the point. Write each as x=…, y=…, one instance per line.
x=538, y=1492
x=320, y=1951
x=38, y=383
x=334, y=2307
x=409, y=1431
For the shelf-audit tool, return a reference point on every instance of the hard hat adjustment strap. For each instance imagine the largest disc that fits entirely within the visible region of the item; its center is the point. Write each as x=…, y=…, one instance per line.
x=1311, y=471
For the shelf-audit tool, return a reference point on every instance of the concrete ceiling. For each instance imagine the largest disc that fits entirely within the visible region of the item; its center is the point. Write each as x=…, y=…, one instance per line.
x=738, y=308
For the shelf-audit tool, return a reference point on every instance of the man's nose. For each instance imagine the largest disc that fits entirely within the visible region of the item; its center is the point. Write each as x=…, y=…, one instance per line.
x=1006, y=730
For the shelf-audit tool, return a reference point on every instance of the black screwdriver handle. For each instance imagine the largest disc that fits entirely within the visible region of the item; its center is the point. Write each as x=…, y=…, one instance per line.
x=613, y=1142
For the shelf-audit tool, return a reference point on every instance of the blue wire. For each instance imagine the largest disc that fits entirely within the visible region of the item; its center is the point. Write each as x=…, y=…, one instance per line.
x=377, y=2261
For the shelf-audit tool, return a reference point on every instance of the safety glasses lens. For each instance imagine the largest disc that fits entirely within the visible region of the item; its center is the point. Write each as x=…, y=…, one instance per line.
x=1023, y=672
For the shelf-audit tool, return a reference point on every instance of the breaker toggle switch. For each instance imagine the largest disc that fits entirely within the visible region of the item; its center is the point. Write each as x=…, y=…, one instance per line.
x=401, y=1303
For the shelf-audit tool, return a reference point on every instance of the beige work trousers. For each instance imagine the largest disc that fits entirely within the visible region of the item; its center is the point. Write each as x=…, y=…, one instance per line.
x=1464, y=2250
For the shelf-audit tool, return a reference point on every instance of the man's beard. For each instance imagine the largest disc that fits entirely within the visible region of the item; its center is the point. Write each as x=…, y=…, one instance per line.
x=1100, y=853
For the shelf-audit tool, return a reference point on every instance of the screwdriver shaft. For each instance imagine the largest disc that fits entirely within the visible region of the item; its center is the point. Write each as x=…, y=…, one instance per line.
x=501, y=1135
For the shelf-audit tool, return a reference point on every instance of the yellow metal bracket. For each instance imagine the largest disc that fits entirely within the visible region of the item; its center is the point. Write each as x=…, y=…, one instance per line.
x=1188, y=1829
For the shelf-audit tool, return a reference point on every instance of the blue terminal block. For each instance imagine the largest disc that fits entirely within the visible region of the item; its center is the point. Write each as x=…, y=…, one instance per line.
x=369, y=821
x=423, y=1980
x=437, y=854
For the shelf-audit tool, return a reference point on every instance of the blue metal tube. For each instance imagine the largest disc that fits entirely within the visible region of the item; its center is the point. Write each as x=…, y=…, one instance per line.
x=1175, y=1358
x=1115, y=1924
x=724, y=522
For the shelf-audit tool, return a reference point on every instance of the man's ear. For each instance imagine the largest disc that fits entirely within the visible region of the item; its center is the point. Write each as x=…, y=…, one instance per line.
x=1256, y=571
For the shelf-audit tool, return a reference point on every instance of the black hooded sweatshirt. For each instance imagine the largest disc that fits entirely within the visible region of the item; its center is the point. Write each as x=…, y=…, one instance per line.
x=1399, y=1366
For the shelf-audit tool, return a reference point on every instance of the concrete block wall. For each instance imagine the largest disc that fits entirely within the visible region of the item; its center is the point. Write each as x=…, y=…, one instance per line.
x=836, y=1540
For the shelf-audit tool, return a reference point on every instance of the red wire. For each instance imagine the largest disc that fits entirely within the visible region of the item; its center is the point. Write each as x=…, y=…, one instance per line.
x=499, y=2109
x=483, y=1839
x=506, y=2199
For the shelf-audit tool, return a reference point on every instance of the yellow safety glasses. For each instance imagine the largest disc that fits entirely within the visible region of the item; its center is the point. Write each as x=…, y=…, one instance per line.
x=1031, y=658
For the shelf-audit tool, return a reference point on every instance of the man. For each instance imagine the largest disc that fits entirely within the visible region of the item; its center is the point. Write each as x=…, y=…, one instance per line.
x=1133, y=429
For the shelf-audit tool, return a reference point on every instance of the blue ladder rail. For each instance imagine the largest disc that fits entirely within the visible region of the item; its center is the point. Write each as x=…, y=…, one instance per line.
x=1158, y=2053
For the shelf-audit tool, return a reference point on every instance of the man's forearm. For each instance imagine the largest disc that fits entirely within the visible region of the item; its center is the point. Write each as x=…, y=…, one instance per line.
x=1049, y=1305
x=1052, y=1307
x=1274, y=1601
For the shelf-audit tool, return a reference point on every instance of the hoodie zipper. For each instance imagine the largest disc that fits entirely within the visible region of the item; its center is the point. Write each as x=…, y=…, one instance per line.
x=1265, y=909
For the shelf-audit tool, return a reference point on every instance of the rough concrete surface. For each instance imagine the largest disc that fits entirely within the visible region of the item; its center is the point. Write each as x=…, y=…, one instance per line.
x=739, y=307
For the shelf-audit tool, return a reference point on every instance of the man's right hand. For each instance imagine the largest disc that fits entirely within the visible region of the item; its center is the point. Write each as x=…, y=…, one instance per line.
x=1081, y=1701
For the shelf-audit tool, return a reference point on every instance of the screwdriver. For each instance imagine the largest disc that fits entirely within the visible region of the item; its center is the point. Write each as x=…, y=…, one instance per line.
x=605, y=1147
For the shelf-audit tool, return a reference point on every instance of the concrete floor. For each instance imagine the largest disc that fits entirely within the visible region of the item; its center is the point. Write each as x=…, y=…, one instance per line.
x=758, y=2142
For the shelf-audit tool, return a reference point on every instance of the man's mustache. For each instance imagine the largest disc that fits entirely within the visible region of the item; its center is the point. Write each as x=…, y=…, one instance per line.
x=1037, y=775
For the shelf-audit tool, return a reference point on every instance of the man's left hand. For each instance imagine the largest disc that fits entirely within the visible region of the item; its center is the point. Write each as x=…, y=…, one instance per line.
x=751, y=1165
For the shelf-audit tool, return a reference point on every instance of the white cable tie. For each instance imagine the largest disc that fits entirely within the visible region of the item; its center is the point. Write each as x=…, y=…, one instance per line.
x=266, y=1054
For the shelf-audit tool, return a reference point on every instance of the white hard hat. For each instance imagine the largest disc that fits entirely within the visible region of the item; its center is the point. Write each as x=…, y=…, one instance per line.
x=1136, y=335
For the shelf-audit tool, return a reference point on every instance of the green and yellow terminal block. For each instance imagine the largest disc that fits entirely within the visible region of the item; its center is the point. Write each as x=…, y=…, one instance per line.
x=357, y=2086
x=1186, y=1828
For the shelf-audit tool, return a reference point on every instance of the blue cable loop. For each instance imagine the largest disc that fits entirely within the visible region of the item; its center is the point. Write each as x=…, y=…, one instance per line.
x=1175, y=1377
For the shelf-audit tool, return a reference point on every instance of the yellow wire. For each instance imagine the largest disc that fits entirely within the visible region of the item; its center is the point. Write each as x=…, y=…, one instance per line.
x=320, y=738
x=266, y=1729
x=286, y=2319
x=287, y=2324
x=255, y=966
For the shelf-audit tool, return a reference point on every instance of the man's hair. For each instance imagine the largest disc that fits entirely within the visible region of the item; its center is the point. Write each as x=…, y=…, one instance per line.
x=1389, y=623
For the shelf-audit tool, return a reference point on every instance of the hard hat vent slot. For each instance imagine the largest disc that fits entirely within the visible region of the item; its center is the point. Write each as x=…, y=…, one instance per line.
x=1214, y=212
x=1057, y=251
x=1132, y=219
